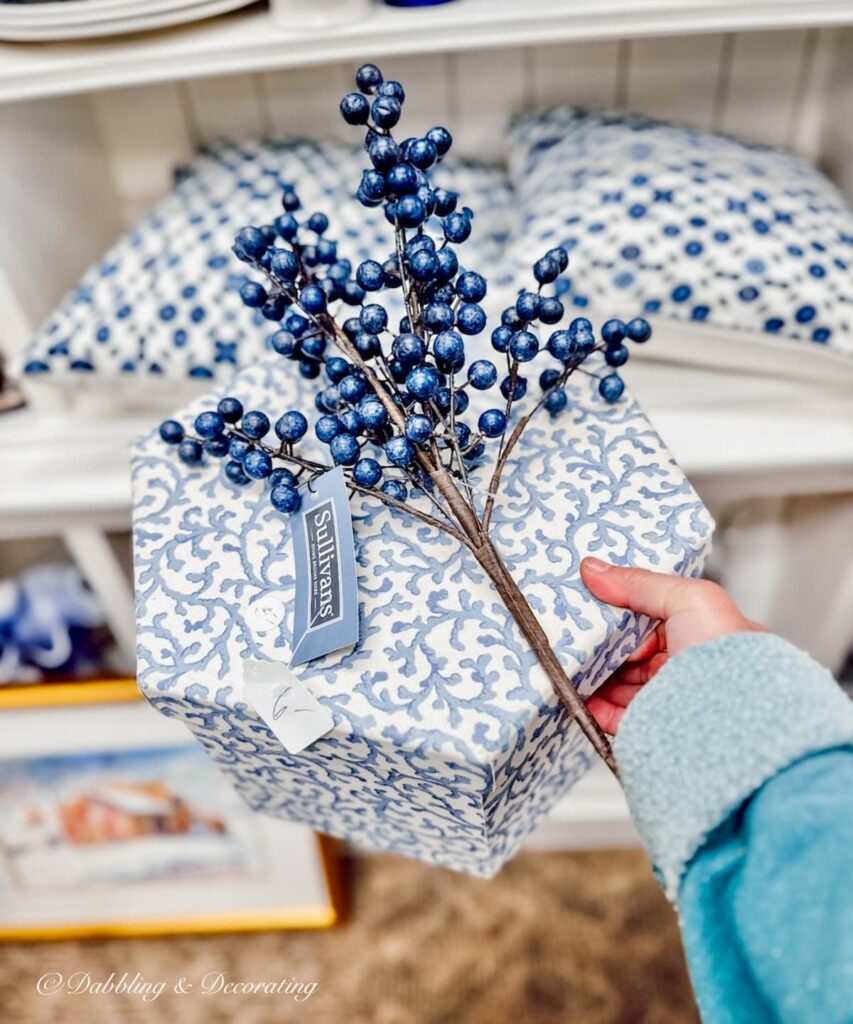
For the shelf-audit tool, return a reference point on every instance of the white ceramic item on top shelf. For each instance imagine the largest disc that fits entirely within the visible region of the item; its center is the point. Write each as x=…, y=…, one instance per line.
x=309, y=15
x=21, y=24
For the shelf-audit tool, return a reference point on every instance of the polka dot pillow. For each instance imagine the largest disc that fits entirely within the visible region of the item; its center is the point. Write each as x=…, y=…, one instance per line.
x=163, y=303
x=660, y=219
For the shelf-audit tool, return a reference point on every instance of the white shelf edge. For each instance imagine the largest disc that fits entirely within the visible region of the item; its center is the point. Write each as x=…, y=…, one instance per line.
x=771, y=450
x=592, y=815
x=250, y=41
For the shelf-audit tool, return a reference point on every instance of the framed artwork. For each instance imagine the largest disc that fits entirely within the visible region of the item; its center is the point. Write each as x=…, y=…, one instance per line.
x=113, y=821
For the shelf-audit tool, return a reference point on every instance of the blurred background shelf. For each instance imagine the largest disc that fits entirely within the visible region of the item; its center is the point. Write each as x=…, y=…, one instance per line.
x=594, y=815
x=47, y=489
x=249, y=40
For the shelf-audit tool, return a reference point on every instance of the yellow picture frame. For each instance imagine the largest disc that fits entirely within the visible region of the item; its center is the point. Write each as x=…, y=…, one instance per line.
x=120, y=691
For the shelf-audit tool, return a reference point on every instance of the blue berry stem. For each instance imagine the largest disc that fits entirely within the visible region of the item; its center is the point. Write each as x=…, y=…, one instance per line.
x=506, y=448
x=512, y=372
x=410, y=298
x=454, y=441
x=407, y=401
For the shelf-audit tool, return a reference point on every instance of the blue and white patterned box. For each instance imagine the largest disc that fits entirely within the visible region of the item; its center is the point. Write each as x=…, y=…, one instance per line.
x=448, y=744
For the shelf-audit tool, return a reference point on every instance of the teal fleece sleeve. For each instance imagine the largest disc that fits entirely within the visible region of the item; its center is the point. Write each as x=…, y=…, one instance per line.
x=737, y=762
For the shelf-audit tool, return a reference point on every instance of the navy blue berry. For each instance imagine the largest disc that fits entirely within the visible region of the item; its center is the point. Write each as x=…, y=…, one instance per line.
x=234, y=472
x=190, y=452
x=613, y=332
x=638, y=329
x=255, y=424
x=482, y=374
x=611, y=387
x=492, y=423
x=418, y=429
x=230, y=409
x=355, y=108
x=368, y=78
x=395, y=490
x=556, y=401
x=257, y=465
x=344, y=449
x=616, y=355
x=171, y=432
x=367, y=472
x=399, y=451
x=524, y=346
x=209, y=425
x=282, y=476
x=285, y=499
x=291, y=427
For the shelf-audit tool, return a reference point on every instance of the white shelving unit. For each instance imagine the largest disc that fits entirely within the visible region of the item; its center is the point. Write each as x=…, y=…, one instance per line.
x=90, y=131
x=789, y=430
x=250, y=41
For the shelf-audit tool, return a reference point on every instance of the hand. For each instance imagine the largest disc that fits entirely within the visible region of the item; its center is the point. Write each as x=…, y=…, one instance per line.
x=690, y=612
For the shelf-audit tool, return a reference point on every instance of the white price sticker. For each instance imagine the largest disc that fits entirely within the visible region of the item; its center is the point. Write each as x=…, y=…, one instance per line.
x=290, y=710
x=265, y=617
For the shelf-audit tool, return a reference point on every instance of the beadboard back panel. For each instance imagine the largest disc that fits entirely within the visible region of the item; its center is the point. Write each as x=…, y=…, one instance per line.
x=767, y=86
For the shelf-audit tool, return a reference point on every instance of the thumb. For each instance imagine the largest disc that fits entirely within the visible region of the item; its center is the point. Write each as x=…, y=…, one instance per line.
x=651, y=593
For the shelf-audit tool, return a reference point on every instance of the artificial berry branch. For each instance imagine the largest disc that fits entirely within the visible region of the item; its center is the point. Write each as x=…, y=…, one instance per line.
x=404, y=399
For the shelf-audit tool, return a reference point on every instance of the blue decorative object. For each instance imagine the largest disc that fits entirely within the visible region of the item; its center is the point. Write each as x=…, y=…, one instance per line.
x=415, y=3
x=449, y=742
x=455, y=484
x=676, y=221
x=51, y=625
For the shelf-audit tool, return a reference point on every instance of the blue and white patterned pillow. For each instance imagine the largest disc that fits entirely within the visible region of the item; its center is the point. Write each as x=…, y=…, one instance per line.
x=163, y=301
x=661, y=219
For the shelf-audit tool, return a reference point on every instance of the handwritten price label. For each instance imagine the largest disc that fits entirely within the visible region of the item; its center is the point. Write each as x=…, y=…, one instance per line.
x=291, y=711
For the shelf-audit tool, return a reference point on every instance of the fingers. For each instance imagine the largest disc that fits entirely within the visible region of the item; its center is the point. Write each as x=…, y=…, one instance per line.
x=616, y=692
x=639, y=672
x=689, y=611
x=651, y=593
x=608, y=715
x=608, y=704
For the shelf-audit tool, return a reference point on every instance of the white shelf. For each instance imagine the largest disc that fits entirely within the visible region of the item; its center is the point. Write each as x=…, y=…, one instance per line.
x=592, y=815
x=64, y=469
x=740, y=413
x=249, y=40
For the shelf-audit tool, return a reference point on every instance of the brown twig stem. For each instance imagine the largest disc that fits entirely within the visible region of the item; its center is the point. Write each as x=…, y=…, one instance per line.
x=460, y=512
x=521, y=611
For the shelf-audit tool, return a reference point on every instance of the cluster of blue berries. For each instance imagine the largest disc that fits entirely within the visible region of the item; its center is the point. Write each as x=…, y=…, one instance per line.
x=393, y=397
x=229, y=432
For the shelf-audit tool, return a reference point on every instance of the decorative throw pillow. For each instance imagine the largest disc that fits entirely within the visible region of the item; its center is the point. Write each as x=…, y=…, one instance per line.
x=164, y=303
x=661, y=219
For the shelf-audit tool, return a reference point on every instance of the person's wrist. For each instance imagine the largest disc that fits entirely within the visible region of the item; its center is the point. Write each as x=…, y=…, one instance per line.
x=717, y=722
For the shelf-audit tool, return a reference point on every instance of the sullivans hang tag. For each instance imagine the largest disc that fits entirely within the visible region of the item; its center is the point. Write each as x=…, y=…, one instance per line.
x=325, y=614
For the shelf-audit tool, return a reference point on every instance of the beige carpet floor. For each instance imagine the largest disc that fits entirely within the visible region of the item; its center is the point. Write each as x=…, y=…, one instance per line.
x=584, y=938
